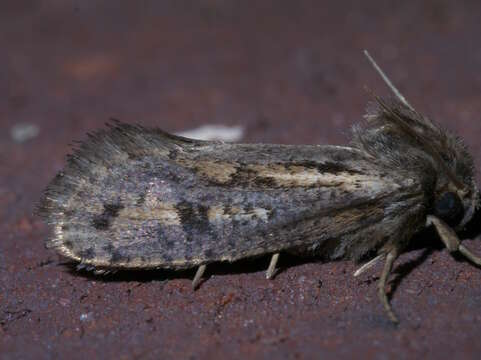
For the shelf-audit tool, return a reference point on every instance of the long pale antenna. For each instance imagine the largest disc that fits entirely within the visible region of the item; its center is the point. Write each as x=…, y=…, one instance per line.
x=387, y=81
x=406, y=127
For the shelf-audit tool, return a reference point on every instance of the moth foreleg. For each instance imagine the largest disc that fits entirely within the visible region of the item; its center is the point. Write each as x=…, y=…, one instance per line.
x=198, y=276
x=468, y=254
x=381, y=287
x=272, y=266
x=450, y=239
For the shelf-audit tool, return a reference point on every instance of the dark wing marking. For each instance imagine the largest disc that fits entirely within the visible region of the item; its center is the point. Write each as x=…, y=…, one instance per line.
x=136, y=198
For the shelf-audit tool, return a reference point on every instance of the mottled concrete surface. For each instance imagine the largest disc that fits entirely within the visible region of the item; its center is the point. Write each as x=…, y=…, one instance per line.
x=289, y=72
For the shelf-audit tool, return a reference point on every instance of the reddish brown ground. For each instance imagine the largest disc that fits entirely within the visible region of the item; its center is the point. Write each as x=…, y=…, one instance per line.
x=290, y=72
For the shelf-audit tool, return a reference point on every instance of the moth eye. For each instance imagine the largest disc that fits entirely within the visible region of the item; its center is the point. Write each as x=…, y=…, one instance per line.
x=449, y=208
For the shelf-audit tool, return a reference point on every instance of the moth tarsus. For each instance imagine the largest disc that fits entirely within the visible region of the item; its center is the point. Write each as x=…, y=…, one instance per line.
x=368, y=265
x=469, y=255
x=137, y=198
x=198, y=276
x=450, y=239
x=271, y=270
x=388, y=264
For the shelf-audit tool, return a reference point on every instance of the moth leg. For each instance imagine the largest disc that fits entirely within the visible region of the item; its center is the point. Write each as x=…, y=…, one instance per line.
x=368, y=265
x=381, y=286
x=451, y=240
x=272, y=266
x=198, y=276
x=468, y=254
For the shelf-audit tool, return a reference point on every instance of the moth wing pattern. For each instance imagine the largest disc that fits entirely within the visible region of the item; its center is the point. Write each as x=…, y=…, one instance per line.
x=131, y=197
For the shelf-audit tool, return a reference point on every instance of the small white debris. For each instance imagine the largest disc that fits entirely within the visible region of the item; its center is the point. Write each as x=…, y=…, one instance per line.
x=248, y=322
x=86, y=316
x=214, y=132
x=23, y=132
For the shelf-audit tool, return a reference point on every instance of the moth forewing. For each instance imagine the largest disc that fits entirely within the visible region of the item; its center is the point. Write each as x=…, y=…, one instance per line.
x=208, y=202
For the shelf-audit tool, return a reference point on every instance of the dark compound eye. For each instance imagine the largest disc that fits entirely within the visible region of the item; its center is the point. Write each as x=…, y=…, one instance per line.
x=449, y=208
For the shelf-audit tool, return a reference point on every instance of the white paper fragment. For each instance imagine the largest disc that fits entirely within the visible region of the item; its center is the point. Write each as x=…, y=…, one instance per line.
x=214, y=132
x=24, y=131
x=86, y=316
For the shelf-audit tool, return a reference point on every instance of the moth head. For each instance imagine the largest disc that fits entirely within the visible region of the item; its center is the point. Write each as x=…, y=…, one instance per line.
x=409, y=139
x=456, y=196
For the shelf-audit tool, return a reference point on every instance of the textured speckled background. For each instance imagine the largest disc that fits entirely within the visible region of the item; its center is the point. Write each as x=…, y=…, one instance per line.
x=289, y=72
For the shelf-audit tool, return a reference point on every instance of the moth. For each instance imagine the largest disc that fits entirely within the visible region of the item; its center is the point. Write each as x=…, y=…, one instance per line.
x=136, y=198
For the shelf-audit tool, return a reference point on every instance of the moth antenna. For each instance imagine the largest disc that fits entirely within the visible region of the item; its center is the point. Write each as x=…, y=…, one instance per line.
x=272, y=266
x=387, y=81
x=421, y=140
x=198, y=276
x=386, y=108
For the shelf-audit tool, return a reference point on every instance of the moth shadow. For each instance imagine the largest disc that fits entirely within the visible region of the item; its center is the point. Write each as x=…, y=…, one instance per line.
x=260, y=264
x=141, y=275
x=426, y=240
x=253, y=265
x=473, y=227
x=429, y=241
x=403, y=270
